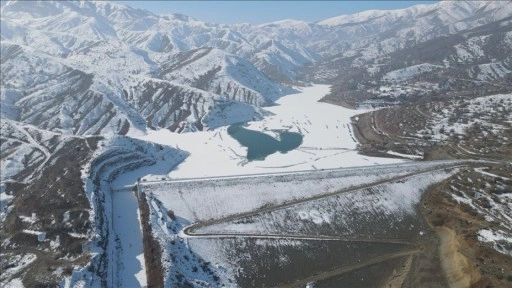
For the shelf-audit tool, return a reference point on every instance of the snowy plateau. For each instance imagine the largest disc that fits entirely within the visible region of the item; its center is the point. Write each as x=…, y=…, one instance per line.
x=120, y=167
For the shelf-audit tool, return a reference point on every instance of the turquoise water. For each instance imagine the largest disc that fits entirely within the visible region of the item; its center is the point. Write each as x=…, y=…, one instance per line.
x=260, y=145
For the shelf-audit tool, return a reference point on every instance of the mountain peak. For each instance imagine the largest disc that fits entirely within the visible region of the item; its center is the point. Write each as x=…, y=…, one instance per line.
x=456, y=9
x=179, y=17
x=286, y=22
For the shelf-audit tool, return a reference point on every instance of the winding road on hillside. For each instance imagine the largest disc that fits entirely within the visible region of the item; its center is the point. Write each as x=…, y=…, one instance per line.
x=190, y=230
x=410, y=248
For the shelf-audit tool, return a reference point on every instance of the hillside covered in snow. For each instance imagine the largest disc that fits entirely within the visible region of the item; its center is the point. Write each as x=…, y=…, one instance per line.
x=104, y=108
x=102, y=67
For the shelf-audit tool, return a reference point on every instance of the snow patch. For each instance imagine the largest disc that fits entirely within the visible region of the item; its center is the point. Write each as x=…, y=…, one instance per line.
x=410, y=72
x=501, y=241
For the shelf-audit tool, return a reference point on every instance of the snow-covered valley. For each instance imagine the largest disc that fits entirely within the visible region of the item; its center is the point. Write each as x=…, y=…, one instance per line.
x=141, y=149
x=216, y=153
x=327, y=141
x=210, y=183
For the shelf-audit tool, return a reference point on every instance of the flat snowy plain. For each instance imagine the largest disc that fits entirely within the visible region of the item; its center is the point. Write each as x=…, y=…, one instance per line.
x=328, y=141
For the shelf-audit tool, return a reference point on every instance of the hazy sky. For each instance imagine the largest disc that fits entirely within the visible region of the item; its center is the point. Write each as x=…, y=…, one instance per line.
x=257, y=12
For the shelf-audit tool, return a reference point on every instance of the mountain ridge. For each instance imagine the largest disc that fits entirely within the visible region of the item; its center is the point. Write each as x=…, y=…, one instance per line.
x=119, y=46
x=88, y=90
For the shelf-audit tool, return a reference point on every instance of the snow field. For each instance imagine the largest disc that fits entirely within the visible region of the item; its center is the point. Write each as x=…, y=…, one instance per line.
x=327, y=141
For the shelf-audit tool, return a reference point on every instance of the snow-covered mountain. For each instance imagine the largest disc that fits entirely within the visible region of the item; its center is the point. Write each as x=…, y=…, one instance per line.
x=219, y=72
x=379, y=31
x=93, y=68
x=96, y=21
x=103, y=67
x=72, y=70
x=471, y=62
